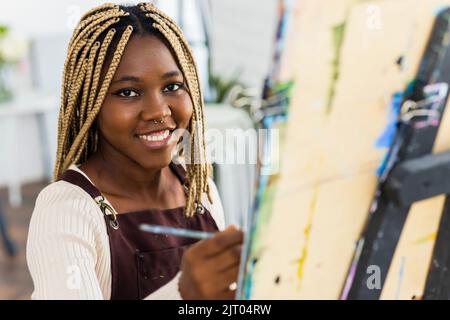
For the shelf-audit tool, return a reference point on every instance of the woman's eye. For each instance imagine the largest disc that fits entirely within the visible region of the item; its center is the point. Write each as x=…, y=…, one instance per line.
x=172, y=87
x=127, y=93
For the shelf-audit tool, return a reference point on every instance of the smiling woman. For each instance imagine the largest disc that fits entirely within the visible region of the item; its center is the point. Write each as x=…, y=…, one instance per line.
x=130, y=86
x=143, y=106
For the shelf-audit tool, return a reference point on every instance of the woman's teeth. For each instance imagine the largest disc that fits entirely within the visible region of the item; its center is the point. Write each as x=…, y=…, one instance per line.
x=157, y=136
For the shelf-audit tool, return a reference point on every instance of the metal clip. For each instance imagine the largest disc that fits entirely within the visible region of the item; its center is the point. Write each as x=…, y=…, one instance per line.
x=408, y=116
x=435, y=95
x=200, y=209
x=114, y=223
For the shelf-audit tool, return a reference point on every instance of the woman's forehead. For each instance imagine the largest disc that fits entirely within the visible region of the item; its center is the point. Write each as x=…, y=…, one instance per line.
x=146, y=55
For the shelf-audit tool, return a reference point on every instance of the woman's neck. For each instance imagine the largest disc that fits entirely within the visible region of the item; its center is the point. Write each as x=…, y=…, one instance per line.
x=119, y=175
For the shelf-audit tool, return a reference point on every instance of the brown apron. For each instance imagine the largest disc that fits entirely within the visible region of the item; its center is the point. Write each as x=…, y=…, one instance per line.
x=142, y=262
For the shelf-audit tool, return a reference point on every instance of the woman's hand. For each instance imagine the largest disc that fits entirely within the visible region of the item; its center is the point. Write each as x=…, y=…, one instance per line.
x=210, y=266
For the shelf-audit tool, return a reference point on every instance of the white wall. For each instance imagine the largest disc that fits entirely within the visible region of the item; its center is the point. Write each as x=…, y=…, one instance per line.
x=244, y=32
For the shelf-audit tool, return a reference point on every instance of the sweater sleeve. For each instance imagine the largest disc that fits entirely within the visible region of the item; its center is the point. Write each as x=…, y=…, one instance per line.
x=61, y=245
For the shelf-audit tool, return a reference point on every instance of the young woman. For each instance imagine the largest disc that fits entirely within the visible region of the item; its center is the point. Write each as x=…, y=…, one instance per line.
x=130, y=85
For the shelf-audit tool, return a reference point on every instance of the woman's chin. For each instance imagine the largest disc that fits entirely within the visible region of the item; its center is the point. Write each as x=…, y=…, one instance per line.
x=157, y=162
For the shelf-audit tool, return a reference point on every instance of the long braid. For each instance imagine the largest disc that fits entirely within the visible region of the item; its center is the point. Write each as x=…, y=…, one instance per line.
x=87, y=84
x=83, y=90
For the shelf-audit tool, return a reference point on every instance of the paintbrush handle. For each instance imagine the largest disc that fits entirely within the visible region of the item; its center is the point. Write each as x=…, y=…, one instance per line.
x=176, y=231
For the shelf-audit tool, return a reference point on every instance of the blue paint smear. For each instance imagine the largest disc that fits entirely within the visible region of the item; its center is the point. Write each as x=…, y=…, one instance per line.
x=386, y=138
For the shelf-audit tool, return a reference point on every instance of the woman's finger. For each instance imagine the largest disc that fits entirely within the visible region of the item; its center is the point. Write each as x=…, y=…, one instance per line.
x=226, y=259
x=220, y=242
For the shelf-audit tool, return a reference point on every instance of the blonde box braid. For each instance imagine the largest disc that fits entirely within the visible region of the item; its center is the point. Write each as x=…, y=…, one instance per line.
x=83, y=90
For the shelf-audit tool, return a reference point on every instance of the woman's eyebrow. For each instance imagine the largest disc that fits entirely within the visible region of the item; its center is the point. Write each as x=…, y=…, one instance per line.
x=171, y=74
x=166, y=75
x=127, y=78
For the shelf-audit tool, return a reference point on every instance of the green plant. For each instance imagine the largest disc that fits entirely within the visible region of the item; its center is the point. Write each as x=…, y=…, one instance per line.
x=5, y=94
x=3, y=32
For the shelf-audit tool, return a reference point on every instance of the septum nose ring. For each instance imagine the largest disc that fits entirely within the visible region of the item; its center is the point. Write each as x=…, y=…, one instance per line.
x=160, y=121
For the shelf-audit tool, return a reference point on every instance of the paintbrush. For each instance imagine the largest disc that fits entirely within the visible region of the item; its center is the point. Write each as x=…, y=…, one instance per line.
x=176, y=231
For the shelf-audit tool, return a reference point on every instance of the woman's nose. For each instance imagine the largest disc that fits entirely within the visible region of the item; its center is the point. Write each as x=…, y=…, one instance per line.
x=155, y=107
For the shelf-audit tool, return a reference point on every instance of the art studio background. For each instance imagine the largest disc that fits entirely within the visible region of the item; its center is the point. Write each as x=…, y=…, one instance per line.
x=349, y=203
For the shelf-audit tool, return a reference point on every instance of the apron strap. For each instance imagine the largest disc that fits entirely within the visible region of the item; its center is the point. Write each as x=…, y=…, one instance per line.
x=180, y=172
x=78, y=179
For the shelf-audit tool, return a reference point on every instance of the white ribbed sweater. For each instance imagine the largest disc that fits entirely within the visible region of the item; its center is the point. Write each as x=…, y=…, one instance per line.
x=68, y=252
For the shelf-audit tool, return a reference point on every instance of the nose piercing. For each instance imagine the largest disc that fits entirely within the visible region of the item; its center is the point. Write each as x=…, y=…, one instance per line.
x=160, y=121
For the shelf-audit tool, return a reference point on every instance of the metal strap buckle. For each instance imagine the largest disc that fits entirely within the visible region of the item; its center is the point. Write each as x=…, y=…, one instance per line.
x=200, y=209
x=112, y=215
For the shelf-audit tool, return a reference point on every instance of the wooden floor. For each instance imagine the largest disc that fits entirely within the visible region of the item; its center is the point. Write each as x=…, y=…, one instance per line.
x=15, y=280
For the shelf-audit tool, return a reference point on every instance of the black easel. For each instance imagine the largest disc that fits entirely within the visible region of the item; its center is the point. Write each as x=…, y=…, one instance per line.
x=414, y=174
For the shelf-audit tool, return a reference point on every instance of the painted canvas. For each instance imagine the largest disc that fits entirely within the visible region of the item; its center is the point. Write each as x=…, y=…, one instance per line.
x=346, y=63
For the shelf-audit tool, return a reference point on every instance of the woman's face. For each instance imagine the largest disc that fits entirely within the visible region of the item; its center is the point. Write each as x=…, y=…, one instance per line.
x=147, y=87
